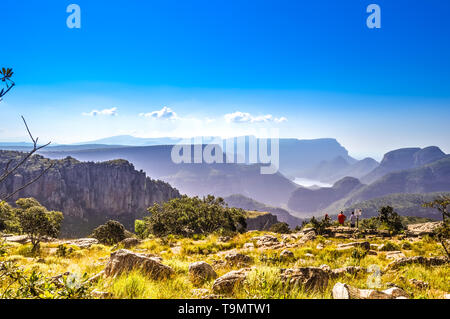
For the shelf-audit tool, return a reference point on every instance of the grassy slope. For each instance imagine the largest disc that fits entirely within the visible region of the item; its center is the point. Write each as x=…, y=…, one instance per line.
x=263, y=280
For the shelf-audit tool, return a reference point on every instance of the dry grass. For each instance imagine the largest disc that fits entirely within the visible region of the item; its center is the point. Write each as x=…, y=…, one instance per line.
x=263, y=280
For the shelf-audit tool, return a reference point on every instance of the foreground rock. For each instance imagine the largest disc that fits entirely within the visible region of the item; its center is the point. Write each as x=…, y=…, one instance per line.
x=268, y=241
x=423, y=229
x=344, y=291
x=20, y=239
x=130, y=242
x=232, y=279
x=431, y=261
x=201, y=271
x=310, y=235
x=236, y=259
x=351, y=270
x=364, y=245
x=124, y=261
x=311, y=278
x=83, y=242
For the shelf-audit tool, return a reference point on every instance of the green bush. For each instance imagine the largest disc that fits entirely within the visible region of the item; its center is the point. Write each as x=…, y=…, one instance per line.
x=187, y=216
x=110, y=233
x=37, y=222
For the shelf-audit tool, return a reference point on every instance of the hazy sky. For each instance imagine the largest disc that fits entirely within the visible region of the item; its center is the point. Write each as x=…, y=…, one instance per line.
x=170, y=68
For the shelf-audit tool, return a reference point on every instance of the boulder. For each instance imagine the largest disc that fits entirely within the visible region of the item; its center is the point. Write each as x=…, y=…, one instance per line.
x=267, y=241
x=130, y=242
x=395, y=255
x=431, y=261
x=232, y=279
x=83, y=242
x=248, y=246
x=101, y=294
x=124, y=260
x=344, y=291
x=311, y=278
x=419, y=283
x=351, y=270
x=234, y=259
x=201, y=271
x=365, y=245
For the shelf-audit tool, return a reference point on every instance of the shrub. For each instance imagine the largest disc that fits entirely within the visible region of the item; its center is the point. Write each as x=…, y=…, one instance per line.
x=140, y=228
x=281, y=228
x=370, y=223
x=37, y=222
x=390, y=246
x=110, y=233
x=320, y=226
x=187, y=216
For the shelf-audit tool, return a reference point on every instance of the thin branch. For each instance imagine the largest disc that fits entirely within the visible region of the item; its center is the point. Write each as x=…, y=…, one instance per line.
x=6, y=197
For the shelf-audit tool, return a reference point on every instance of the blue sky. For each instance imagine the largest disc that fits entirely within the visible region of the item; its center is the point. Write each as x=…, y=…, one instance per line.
x=170, y=68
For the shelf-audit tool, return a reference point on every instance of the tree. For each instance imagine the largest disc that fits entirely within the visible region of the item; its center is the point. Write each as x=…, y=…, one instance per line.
x=110, y=233
x=188, y=216
x=388, y=217
x=5, y=76
x=281, y=228
x=37, y=222
x=11, y=167
x=442, y=204
x=320, y=226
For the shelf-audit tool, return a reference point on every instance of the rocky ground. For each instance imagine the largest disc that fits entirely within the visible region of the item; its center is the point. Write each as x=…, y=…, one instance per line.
x=343, y=264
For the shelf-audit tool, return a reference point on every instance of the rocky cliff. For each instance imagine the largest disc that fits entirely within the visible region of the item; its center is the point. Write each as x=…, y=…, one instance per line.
x=87, y=193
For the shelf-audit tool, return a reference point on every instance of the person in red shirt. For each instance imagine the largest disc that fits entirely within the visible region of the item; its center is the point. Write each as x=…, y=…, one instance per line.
x=341, y=218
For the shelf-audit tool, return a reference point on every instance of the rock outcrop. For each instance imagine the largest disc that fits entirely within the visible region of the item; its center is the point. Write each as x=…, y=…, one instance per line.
x=122, y=261
x=235, y=259
x=422, y=229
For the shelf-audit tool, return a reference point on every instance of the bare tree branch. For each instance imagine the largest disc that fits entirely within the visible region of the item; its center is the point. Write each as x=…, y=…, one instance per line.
x=6, y=197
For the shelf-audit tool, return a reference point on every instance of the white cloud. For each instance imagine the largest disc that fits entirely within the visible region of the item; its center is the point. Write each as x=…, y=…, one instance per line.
x=110, y=112
x=165, y=113
x=242, y=117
